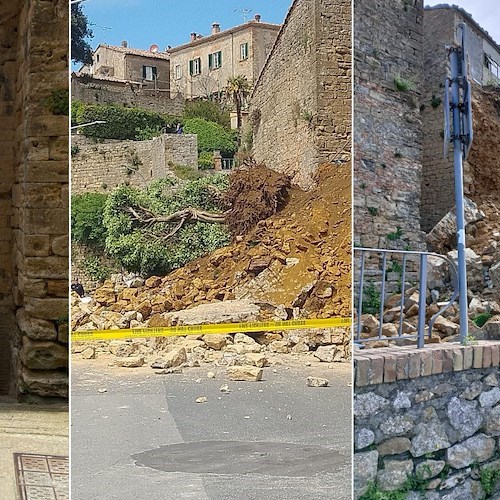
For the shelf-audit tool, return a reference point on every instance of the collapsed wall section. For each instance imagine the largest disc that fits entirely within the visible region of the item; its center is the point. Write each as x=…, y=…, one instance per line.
x=388, y=62
x=300, y=109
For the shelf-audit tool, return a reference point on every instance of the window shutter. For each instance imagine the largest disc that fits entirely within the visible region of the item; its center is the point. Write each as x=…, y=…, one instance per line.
x=220, y=58
x=210, y=61
x=155, y=73
x=199, y=65
x=144, y=72
x=191, y=63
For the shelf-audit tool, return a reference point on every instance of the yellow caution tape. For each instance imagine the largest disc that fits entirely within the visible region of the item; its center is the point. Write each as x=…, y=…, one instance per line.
x=220, y=328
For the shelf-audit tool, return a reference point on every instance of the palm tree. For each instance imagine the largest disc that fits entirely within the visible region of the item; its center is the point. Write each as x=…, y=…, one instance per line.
x=237, y=89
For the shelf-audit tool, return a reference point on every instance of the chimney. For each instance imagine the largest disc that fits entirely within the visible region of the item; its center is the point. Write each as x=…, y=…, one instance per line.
x=193, y=37
x=215, y=28
x=124, y=43
x=257, y=18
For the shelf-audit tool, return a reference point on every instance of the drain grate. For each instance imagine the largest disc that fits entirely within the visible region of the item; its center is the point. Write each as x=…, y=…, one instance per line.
x=42, y=477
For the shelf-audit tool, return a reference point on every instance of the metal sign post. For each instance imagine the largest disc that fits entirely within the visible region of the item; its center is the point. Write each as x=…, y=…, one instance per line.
x=458, y=101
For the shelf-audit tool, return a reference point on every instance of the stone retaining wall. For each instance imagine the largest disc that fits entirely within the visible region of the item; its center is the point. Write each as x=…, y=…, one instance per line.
x=431, y=415
x=102, y=167
x=95, y=90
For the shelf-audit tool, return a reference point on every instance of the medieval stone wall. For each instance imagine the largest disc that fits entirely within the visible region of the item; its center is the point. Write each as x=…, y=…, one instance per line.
x=437, y=175
x=301, y=105
x=8, y=65
x=39, y=198
x=95, y=90
x=103, y=167
x=430, y=414
x=388, y=53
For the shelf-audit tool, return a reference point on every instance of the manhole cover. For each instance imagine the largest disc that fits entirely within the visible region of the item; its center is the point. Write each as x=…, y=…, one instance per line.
x=236, y=457
x=42, y=477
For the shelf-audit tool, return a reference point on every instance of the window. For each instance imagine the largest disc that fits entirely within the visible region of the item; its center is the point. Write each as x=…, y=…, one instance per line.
x=244, y=51
x=215, y=60
x=97, y=57
x=149, y=73
x=177, y=72
x=195, y=66
x=492, y=65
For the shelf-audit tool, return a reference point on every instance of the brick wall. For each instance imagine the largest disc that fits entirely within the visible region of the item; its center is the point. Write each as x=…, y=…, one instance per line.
x=432, y=413
x=301, y=105
x=102, y=167
x=388, y=44
x=96, y=90
x=40, y=203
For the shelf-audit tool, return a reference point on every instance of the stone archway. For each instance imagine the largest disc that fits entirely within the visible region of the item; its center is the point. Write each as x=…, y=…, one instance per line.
x=33, y=198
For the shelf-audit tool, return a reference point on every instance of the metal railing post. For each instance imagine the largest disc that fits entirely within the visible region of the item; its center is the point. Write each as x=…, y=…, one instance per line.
x=422, y=300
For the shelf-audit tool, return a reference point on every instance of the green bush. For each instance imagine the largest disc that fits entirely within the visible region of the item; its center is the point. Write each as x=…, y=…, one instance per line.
x=212, y=136
x=86, y=219
x=121, y=123
x=145, y=249
x=207, y=110
x=206, y=160
x=481, y=319
x=95, y=269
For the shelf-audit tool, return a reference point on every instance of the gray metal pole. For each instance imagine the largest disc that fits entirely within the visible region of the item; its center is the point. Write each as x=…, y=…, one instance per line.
x=459, y=190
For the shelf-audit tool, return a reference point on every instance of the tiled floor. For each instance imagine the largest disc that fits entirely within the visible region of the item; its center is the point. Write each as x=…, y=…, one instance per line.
x=42, y=477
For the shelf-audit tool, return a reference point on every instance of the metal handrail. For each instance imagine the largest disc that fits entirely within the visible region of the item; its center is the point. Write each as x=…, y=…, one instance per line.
x=422, y=293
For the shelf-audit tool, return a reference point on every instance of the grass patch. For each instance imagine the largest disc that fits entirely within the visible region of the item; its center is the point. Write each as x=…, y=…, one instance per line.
x=187, y=173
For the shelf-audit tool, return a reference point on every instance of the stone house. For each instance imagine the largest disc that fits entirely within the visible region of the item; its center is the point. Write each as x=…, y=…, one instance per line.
x=34, y=199
x=150, y=68
x=441, y=29
x=201, y=68
x=299, y=118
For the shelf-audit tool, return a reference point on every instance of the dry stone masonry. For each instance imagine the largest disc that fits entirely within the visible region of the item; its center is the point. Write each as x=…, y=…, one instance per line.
x=431, y=415
x=34, y=198
x=102, y=167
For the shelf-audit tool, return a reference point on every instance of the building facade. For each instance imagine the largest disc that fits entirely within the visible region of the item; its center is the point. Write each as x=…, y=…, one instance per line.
x=202, y=67
x=150, y=68
x=442, y=28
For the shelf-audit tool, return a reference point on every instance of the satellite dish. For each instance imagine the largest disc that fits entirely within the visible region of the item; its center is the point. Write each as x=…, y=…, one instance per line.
x=154, y=48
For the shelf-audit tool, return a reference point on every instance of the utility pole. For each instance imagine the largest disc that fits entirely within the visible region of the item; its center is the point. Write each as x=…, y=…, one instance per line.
x=458, y=101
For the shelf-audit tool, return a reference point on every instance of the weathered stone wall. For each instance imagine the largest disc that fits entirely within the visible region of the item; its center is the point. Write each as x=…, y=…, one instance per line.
x=8, y=43
x=95, y=90
x=388, y=47
x=437, y=173
x=40, y=201
x=432, y=414
x=301, y=105
x=441, y=29
x=103, y=167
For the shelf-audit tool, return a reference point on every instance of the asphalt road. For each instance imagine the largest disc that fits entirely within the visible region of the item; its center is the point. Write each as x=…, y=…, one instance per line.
x=145, y=437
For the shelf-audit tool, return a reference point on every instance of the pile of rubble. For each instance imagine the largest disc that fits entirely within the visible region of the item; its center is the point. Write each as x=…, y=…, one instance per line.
x=293, y=265
x=243, y=355
x=482, y=215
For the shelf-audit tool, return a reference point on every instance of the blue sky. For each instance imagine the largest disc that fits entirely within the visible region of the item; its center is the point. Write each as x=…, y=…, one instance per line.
x=484, y=12
x=169, y=22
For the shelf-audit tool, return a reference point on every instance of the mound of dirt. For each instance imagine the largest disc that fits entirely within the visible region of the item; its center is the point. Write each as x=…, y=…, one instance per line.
x=297, y=262
x=255, y=193
x=483, y=172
